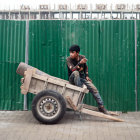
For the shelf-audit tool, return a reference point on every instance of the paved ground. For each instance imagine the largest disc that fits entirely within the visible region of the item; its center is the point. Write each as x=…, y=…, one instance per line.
x=21, y=125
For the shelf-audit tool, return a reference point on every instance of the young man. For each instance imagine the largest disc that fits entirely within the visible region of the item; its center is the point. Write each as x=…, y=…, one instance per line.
x=78, y=74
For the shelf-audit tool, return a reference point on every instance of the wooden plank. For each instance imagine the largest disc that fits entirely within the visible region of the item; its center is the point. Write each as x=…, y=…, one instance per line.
x=90, y=107
x=40, y=77
x=75, y=97
x=80, y=99
x=85, y=90
x=32, y=87
x=50, y=79
x=57, y=82
x=98, y=114
x=27, y=79
x=68, y=92
x=113, y=113
x=71, y=103
x=60, y=82
x=39, y=85
x=60, y=89
x=96, y=109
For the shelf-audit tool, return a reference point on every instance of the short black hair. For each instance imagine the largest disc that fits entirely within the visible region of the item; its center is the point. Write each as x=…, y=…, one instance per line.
x=74, y=48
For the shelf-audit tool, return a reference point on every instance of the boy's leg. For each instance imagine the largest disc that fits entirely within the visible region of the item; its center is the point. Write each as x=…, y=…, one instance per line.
x=75, y=79
x=92, y=89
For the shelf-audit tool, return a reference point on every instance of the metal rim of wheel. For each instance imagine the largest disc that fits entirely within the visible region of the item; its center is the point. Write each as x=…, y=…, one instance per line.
x=48, y=107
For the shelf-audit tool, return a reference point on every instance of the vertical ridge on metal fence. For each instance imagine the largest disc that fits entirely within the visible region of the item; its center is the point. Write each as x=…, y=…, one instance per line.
x=138, y=63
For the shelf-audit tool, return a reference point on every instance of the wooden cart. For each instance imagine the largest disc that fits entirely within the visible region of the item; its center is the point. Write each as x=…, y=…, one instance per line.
x=54, y=95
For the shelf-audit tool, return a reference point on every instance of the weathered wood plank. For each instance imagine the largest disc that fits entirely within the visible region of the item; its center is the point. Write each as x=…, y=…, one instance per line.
x=98, y=114
x=96, y=109
x=61, y=83
x=27, y=80
x=71, y=103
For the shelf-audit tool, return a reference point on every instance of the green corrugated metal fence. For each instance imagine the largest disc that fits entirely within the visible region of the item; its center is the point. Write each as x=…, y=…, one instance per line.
x=12, y=52
x=138, y=60
x=108, y=45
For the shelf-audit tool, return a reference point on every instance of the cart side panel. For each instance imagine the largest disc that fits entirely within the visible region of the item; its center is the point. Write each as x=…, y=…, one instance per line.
x=73, y=94
x=36, y=85
x=55, y=87
x=52, y=86
x=76, y=97
x=59, y=89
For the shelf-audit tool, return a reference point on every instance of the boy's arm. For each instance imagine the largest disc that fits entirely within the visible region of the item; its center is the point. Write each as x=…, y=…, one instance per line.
x=86, y=70
x=86, y=73
x=71, y=66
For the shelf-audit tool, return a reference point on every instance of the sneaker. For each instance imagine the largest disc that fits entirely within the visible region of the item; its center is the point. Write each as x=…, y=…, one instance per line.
x=103, y=110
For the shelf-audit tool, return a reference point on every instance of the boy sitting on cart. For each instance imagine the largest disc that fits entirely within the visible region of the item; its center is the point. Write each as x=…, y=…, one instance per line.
x=78, y=75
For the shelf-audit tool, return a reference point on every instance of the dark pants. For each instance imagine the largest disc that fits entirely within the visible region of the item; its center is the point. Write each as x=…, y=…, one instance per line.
x=75, y=79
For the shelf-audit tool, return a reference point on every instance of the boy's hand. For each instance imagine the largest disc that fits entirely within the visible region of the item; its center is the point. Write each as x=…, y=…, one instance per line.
x=84, y=60
x=88, y=79
x=81, y=69
x=78, y=67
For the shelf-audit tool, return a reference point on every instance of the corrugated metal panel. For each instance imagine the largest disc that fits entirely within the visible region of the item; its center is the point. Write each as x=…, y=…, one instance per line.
x=12, y=52
x=116, y=64
x=138, y=60
x=47, y=50
x=108, y=45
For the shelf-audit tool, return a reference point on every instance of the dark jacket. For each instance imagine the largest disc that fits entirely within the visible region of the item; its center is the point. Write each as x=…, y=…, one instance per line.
x=73, y=64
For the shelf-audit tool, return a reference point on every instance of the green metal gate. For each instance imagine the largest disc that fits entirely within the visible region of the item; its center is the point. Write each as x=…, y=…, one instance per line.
x=12, y=52
x=108, y=45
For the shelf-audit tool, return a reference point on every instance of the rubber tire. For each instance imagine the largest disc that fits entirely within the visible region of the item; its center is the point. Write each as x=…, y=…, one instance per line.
x=58, y=97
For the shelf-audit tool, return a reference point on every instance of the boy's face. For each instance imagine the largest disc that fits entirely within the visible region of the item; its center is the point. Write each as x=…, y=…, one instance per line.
x=74, y=54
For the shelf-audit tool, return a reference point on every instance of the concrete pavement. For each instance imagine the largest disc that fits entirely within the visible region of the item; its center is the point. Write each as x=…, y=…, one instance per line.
x=21, y=125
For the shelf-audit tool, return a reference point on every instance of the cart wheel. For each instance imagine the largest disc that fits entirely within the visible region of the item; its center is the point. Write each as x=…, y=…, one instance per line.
x=48, y=106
